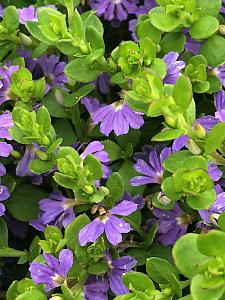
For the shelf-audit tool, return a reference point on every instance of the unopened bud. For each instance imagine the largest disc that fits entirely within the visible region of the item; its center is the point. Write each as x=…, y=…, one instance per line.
x=193, y=147
x=25, y=40
x=88, y=189
x=42, y=155
x=168, y=291
x=84, y=48
x=16, y=154
x=158, y=48
x=199, y=131
x=45, y=141
x=163, y=200
x=222, y=29
x=105, y=190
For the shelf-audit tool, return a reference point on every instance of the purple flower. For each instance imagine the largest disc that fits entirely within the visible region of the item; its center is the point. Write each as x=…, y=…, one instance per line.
x=22, y=169
x=29, y=13
x=216, y=208
x=118, y=267
x=174, y=67
x=152, y=169
x=1, y=11
x=137, y=199
x=220, y=73
x=117, y=117
x=114, y=9
x=96, y=148
x=6, y=123
x=96, y=288
x=220, y=105
x=222, y=10
x=172, y=224
x=103, y=83
x=5, y=75
x=191, y=44
x=113, y=226
x=53, y=71
x=214, y=172
x=4, y=193
x=91, y=104
x=54, y=272
x=56, y=210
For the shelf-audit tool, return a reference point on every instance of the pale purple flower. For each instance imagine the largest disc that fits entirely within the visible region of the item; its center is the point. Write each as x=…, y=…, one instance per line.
x=30, y=13
x=220, y=105
x=55, y=210
x=172, y=224
x=22, y=169
x=214, y=172
x=191, y=44
x=137, y=199
x=103, y=83
x=117, y=117
x=5, y=75
x=6, y=123
x=1, y=11
x=54, y=272
x=174, y=67
x=91, y=104
x=208, y=215
x=108, y=222
x=96, y=148
x=4, y=192
x=96, y=288
x=118, y=267
x=222, y=10
x=114, y=9
x=219, y=72
x=151, y=169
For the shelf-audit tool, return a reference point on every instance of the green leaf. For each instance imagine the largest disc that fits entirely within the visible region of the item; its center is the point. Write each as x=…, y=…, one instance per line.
x=98, y=268
x=34, y=30
x=94, y=38
x=12, y=291
x=11, y=19
x=116, y=188
x=72, y=99
x=66, y=181
x=214, y=51
x=203, y=200
x=112, y=149
x=81, y=70
x=199, y=293
x=54, y=103
x=138, y=281
x=160, y=270
x=23, y=203
x=33, y=294
x=44, y=119
x=215, y=137
x=209, y=7
x=145, y=29
x=9, y=252
x=167, y=135
x=4, y=233
x=212, y=243
x=163, y=21
x=182, y=92
x=204, y=27
x=221, y=221
x=173, y=41
x=65, y=130
x=186, y=254
x=94, y=166
x=176, y=160
x=39, y=166
x=72, y=231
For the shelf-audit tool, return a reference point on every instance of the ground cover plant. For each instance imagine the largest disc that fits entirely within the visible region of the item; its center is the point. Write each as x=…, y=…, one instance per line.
x=112, y=150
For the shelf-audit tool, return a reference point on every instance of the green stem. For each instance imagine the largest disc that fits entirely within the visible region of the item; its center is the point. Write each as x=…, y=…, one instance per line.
x=76, y=120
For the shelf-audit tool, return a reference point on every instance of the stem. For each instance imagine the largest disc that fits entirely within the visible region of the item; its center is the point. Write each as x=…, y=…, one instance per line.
x=76, y=120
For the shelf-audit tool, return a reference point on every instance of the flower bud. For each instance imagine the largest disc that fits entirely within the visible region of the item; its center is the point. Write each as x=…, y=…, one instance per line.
x=45, y=141
x=26, y=40
x=42, y=155
x=84, y=48
x=222, y=29
x=16, y=154
x=193, y=147
x=199, y=131
x=168, y=291
x=105, y=190
x=163, y=200
x=88, y=189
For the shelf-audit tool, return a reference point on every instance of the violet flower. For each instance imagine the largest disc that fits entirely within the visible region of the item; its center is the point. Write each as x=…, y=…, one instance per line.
x=91, y=104
x=55, y=210
x=172, y=224
x=208, y=215
x=117, y=117
x=174, y=67
x=114, y=9
x=152, y=170
x=54, y=272
x=103, y=83
x=137, y=199
x=6, y=123
x=96, y=288
x=5, y=75
x=191, y=44
x=112, y=225
x=222, y=9
x=219, y=72
x=4, y=192
x=96, y=148
x=30, y=13
x=117, y=268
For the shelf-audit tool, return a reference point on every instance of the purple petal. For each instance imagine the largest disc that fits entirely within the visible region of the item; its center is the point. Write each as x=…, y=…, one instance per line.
x=91, y=232
x=125, y=208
